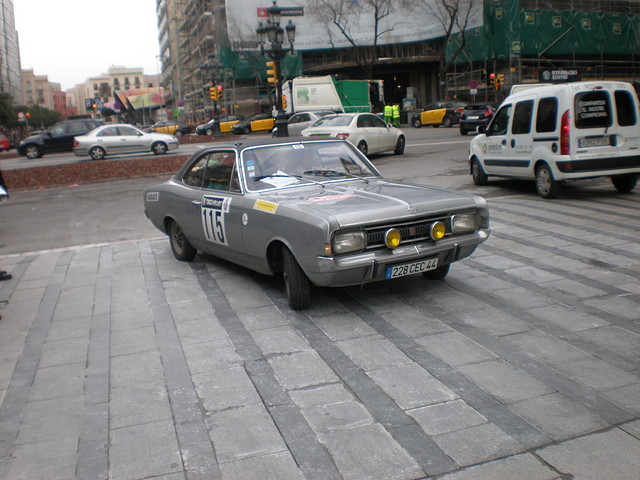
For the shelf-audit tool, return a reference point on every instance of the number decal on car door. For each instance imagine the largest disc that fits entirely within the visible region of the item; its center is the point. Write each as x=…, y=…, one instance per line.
x=213, y=212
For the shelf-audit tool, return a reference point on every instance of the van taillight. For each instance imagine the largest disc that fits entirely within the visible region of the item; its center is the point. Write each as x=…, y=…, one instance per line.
x=565, y=134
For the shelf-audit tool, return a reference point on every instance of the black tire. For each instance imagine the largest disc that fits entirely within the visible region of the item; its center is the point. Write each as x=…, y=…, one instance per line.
x=177, y=133
x=246, y=130
x=400, y=144
x=437, y=274
x=477, y=172
x=296, y=283
x=447, y=122
x=209, y=132
x=625, y=183
x=180, y=246
x=97, y=153
x=159, y=148
x=32, y=151
x=463, y=132
x=546, y=185
x=362, y=146
x=416, y=123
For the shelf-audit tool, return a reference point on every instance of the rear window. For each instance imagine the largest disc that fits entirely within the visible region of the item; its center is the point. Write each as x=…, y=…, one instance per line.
x=546, y=120
x=593, y=109
x=522, y=117
x=625, y=106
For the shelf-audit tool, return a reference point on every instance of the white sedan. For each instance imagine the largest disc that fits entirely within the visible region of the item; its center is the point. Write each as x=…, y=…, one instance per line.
x=366, y=131
x=117, y=139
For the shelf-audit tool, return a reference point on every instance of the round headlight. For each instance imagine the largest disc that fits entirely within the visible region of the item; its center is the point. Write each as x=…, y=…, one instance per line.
x=392, y=238
x=438, y=230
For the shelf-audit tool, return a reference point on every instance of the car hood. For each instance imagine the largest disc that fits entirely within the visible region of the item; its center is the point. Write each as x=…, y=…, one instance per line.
x=35, y=138
x=356, y=202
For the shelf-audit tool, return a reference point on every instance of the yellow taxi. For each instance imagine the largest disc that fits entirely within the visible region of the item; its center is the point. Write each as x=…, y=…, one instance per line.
x=439, y=113
x=170, y=127
x=225, y=124
x=260, y=122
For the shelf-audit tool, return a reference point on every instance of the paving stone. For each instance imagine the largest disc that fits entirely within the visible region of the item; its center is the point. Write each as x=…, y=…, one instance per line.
x=137, y=404
x=521, y=467
x=227, y=388
x=69, y=329
x=130, y=319
x=446, y=417
x=244, y=432
x=544, y=347
x=321, y=395
x=558, y=416
x=63, y=352
x=370, y=452
x=626, y=397
x=143, y=367
x=596, y=374
x=493, y=321
x=571, y=319
x=261, y=317
x=522, y=298
x=616, y=305
x=614, y=455
x=51, y=420
x=373, y=353
x=455, y=349
x=477, y=444
x=410, y=386
x=505, y=382
x=205, y=357
x=44, y=460
x=59, y=381
x=143, y=451
x=126, y=342
x=414, y=323
x=337, y=416
x=280, y=340
x=190, y=310
x=632, y=428
x=279, y=466
x=343, y=326
x=200, y=330
x=617, y=339
x=302, y=369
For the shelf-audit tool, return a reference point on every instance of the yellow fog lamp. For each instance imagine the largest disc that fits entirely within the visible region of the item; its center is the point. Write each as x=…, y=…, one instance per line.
x=392, y=238
x=438, y=229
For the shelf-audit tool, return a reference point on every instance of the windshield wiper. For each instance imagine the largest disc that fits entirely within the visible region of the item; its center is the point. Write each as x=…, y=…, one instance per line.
x=334, y=173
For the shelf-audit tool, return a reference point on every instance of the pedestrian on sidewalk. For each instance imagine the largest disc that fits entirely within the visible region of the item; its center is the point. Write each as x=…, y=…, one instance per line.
x=4, y=194
x=388, y=113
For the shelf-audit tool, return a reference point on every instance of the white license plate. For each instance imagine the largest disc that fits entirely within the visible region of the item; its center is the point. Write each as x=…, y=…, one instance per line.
x=412, y=268
x=473, y=117
x=594, y=141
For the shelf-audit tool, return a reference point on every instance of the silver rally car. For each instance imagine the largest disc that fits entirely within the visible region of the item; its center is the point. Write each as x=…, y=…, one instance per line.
x=316, y=211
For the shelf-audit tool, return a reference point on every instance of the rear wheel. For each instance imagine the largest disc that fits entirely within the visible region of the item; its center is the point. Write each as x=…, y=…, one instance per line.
x=437, y=274
x=546, y=185
x=97, y=153
x=362, y=146
x=463, y=132
x=416, y=123
x=625, y=183
x=400, y=144
x=180, y=246
x=177, y=133
x=159, y=148
x=296, y=283
x=479, y=177
x=209, y=132
x=32, y=151
x=246, y=130
x=446, y=121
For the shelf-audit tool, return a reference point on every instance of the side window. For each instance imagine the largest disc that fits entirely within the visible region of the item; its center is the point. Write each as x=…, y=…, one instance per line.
x=195, y=174
x=108, y=132
x=77, y=127
x=217, y=172
x=378, y=122
x=625, y=106
x=547, y=117
x=500, y=122
x=58, y=130
x=593, y=109
x=127, y=131
x=362, y=122
x=522, y=117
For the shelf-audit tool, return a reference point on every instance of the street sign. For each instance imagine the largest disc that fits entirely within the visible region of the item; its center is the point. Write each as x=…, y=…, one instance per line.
x=473, y=84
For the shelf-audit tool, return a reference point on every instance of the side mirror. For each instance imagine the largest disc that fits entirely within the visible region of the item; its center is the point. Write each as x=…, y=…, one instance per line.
x=481, y=129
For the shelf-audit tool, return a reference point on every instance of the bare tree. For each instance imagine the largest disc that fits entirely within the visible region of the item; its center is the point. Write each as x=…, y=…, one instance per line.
x=345, y=16
x=454, y=17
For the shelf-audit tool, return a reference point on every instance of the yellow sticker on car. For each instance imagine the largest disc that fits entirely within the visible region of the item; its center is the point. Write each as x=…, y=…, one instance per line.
x=265, y=206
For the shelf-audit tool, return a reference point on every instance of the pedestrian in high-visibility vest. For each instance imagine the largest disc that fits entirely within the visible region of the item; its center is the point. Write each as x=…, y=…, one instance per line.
x=396, y=115
x=388, y=113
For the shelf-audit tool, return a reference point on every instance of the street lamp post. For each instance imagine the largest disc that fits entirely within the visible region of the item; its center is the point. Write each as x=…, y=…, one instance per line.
x=273, y=35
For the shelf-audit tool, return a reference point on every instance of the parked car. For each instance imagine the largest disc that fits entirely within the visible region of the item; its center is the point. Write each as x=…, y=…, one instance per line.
x=119, y=139
x=558, y=133
x=435, y=114
x=58, y=138
x=225, y=124
x=366, y=131
x=260, y=122
x=316, y=212
x=301, y=120
x=5, y=143
x=171, y=127
x=474, y=116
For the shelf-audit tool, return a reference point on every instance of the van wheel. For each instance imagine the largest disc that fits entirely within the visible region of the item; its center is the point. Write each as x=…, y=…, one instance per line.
x=296, y=283
x=546, y=185
x=416, y=123
x=479, y=177
x=625, y=183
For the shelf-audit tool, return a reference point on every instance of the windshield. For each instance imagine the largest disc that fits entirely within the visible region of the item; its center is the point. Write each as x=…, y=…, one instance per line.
x=277, y=166
x=334, y=121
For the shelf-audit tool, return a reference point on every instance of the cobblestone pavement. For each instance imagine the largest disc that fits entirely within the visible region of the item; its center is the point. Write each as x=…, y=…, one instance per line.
x=117, y=361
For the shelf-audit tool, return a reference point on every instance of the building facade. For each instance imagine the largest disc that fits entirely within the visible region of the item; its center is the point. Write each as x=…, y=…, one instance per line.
x=10, y=81
x=38, y=90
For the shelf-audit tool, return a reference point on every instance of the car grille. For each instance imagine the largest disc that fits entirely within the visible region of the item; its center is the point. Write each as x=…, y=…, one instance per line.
x=412, y=232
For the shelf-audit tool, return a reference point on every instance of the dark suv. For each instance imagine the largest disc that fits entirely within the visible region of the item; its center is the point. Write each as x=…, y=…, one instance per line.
x=58, y=138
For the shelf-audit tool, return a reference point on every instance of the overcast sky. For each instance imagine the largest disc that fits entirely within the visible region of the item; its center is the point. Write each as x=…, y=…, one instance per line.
x=72, y=40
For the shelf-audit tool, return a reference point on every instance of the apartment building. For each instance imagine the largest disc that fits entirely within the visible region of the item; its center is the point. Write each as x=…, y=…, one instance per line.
x=10, y=81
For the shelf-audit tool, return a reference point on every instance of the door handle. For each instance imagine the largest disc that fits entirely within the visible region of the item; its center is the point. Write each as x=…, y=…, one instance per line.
x=513, y=142
x=504, y=142
x=196, y=203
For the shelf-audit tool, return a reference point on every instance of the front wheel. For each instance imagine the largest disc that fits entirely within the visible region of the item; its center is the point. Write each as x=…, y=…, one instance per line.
x=246, y=130
x=446, y=121
x=180, y=246
x=625, y=183
x=159, y=148
x=32, y=151
x=209, y=132
x=546, y=185
x=437, y=274
x=479, y=177
x=416, y=123
x=296, y=283
x=97, y=153
x=400, y=144
x=177, y=133
x=362, y=146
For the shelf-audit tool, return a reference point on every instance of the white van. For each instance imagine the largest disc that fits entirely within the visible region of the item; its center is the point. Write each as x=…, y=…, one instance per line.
x=556, y=133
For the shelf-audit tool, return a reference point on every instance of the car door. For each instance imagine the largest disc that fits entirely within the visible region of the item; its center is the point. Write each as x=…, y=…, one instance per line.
x=131, y=140
x=365, y=131
x=58, y=138
x=297, y=123
x=385, y=138
x=520, y=142
x=495, y=148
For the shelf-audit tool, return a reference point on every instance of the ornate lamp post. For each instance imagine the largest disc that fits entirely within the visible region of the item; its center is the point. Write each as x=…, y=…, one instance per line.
x=272, y=35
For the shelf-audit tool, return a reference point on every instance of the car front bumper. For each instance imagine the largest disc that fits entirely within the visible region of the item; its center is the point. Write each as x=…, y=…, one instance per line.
x=372, y=266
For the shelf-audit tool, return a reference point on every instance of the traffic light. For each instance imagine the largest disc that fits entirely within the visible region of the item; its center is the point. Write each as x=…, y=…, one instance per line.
x=284, y=102
x=220, y=89
x=492, y=78
x=499, y=81
x=272, y=74
x=213, y=93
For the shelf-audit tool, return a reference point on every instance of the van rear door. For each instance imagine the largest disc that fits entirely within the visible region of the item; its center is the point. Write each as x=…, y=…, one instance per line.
x=628, y=125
